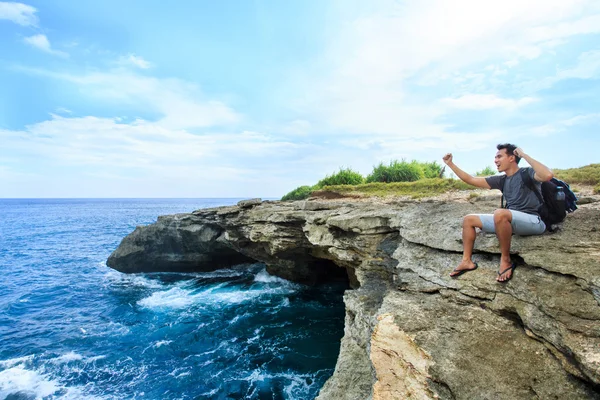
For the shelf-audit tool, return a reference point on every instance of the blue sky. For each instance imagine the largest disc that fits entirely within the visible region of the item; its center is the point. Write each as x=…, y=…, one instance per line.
x=255, y=98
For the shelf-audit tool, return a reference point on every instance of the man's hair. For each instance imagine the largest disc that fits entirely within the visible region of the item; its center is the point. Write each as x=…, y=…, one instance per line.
x=510, y=148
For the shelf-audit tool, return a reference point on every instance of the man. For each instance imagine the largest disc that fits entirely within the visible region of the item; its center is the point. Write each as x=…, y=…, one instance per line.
x=521, y=216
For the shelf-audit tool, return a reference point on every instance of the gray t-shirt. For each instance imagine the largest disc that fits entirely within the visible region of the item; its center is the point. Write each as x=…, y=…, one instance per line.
x=517, y=195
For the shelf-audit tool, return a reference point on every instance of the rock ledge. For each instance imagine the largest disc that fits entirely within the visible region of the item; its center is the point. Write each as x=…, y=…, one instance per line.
x=411, y=331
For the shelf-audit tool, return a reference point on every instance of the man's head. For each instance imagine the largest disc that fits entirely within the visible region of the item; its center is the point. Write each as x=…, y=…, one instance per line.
x=505, y=157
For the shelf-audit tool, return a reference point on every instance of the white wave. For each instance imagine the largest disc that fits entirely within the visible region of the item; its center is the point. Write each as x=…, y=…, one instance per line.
x=178, y=298
x=19, y=379
x=205, y=363
x=157, y=345
x=180, y=372
x=161, y=343
x=172, y=298
x=95, y=358
x=297, y=385
x=134, y=280
x=65, y=358
x=210, y=394
x=11, y=362
x=72, y=356
x=221, y=273
x=264, y=277
x=109, y=329
x=184, y=294
x=253, y=339
x=236, y=297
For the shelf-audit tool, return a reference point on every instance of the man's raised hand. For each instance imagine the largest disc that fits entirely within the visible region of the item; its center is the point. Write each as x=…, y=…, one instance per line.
x=447, y=158
x=519, y=152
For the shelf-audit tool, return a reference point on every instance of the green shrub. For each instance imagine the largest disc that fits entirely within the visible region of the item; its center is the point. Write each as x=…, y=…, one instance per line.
x=397, y=171
x=588, y=175
x=432, y=170
x=342, y=177
x=597, y=189
x=300, y=193
x=487, y=171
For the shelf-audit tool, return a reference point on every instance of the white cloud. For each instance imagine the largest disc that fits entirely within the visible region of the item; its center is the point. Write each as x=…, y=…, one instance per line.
x=365, y=84
x=565, y=124
x=298, y=127
x=41, y=42
x=108, y=142
x=135, y=61
x=18, y=13
x=170, y=162
x=588, y=66
x=63, y=110
x=485, y=102
x=180, y=104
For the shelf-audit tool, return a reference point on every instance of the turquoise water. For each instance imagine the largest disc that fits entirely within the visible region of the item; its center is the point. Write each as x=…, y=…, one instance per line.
x=72, y=328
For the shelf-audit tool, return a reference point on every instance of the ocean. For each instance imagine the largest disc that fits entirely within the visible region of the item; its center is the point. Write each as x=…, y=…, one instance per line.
x=72, y=328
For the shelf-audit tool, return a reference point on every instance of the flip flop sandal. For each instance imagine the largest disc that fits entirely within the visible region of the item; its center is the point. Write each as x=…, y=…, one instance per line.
x=462, y=271
x=512, y=267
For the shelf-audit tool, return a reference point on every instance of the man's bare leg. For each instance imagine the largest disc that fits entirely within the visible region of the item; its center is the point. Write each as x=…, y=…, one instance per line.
x=470, y=222
x=502, y=220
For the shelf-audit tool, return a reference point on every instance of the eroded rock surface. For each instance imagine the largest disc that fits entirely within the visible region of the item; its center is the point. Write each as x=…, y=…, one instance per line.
x=411, y=331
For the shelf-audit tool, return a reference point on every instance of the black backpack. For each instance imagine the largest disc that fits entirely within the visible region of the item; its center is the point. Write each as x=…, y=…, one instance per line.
x=552, y=211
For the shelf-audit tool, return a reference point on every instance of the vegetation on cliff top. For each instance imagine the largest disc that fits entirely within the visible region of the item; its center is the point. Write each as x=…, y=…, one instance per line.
x=402, y=178
x=416, y=189
x=588, y=175
x=376, y=183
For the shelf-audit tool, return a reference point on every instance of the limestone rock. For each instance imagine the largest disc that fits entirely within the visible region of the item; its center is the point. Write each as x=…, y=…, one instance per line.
x=411, y=331
x=249, y=203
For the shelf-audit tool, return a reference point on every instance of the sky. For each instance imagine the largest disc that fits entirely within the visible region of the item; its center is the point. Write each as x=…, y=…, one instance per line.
x=255, y=98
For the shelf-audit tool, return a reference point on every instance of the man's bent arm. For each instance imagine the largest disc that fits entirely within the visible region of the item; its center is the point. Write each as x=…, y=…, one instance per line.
x=542, y=173
x=465, y=177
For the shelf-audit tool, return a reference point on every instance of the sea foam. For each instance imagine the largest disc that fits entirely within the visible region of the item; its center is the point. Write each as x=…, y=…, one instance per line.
x=18, y=379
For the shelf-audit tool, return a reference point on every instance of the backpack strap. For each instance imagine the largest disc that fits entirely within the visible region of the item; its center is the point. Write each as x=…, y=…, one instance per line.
x=502, y=205
x=529, y=183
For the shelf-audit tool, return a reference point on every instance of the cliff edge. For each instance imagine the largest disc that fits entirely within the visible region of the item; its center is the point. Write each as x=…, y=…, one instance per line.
x=411, y=331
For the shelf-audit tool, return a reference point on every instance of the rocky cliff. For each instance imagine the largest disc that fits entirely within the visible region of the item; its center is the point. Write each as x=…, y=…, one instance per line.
x=411, y=331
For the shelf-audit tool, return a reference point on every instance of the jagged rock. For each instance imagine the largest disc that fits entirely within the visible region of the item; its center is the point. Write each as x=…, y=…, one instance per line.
x=249, y=203
x=411, y=331
x=587, y=200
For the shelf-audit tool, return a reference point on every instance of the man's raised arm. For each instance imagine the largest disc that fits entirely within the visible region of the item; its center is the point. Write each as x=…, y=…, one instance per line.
x=542, y=173
x=471, y=180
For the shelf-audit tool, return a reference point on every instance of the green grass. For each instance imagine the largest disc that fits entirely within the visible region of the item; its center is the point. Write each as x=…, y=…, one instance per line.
x=403, y=171
x=300, y=193
x=487, y=171
x=417, y=189
x=342, y=177
x=588, y=175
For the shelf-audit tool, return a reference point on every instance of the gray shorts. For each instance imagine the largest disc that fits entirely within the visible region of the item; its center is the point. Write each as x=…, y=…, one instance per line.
x=523, y=224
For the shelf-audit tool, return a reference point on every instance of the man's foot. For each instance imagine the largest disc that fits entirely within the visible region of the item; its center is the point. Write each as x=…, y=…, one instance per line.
x=464, y=266
x=505, y=273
